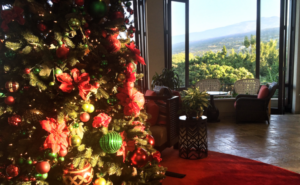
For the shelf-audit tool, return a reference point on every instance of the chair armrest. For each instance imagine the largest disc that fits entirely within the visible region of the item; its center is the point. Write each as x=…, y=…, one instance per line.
x=251, y=104
x=157, y=98
x=245, y=96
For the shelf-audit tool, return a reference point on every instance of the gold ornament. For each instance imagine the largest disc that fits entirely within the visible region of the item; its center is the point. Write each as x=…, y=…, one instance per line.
x=100, y=181
x=33, y=115
x=121, y=77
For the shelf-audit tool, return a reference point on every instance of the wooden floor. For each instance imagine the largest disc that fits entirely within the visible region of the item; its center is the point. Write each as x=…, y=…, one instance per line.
x=277, y=144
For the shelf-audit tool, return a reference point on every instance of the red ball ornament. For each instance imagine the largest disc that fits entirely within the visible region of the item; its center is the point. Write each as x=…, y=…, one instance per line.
x=132, y=28
x=42, y=27
x=151, y=140
x=12, y=86
x=130, y=11
x=117, y=15
x=79, y=2
x=12, y=170
x=9, y=100
x=84, y=117
x=63, y=152
x=42, y=167
x=87, y=32
x=62, y=52
x=126, y=21
x=96, y=84
x=131, y=35
x=114, y=44
x=139, y=158
x=15, y=120
x=27, y=70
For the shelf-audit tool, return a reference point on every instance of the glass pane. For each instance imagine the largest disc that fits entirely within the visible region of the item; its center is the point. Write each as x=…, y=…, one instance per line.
x=222, y=41
x=178, y=40
x=269, y=53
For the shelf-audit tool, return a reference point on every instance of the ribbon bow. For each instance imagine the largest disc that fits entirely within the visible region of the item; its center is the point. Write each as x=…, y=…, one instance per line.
x=127, y=145
x=58, y=138
x=16, y=13
x=137, y=53
x=80, y=80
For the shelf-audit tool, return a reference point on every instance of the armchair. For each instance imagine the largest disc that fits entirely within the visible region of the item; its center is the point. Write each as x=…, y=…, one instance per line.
x=254, y=108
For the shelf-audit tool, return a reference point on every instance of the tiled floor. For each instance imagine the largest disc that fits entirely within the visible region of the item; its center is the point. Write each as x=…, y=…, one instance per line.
x=277, y=144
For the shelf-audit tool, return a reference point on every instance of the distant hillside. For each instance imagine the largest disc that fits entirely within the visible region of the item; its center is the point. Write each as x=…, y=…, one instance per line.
x=231, y=41
x=243, y=27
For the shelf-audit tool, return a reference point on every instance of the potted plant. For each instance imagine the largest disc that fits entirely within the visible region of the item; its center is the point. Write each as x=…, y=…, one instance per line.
x=193, y=103
x=167, y=78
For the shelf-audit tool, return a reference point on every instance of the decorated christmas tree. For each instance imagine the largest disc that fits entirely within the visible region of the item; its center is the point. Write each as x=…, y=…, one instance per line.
x=70, y=111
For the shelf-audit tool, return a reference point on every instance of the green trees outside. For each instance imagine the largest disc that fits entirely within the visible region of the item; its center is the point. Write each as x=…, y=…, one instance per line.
x=230, y=66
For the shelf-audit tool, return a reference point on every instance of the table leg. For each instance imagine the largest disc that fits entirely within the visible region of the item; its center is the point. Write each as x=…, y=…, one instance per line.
x=212, y=111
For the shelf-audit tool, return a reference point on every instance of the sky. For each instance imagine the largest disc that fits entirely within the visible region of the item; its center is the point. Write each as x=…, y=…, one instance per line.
x=210, y=14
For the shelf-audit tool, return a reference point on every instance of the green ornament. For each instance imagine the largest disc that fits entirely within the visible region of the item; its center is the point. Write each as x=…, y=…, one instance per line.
x=61, y=159
x=21, y=160
x=86, y=45
x=74, y=10
x=2, y=95
x=60, y=42
x=128, y=4
x=76, y=125
x=44, y=176
x=58, y=71
x=97, y=8
x=36, y=70
x=104, y=63
x=93, y=76
x=74, y=23
x=111, y=142
x=52, y=83
x=49, y=155
x=75, y=141
x=100, y=76
x=29, y=162
x=67, y=34
x=10, y=55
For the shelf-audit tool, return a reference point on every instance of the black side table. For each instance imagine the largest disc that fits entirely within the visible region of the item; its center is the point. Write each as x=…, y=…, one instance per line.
x=193, y=138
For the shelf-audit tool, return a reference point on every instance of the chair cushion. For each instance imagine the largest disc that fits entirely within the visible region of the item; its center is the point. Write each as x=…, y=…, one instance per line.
x=159, y=132
x=152, y=109
x=150, y=93
x=263, y=92
x=162, y=119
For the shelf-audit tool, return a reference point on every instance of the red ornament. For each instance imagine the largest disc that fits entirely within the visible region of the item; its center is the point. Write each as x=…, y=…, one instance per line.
x=42, y=27
x=62, y=52
x=27, y=70
x=96, y=84
x=126, y=21
x=114, y=44
x=130, y=67
x=87, y=32
x=84, y=117
x=63, y=152
x=117, y=15
x=132, y=28
x=42, y=167
x=130, y=11
x=32, y=179
x=12, y=86
x=12, y=170
x=131, y=35
x=139, y=158
x=84, y=176
x=15, y=120
x=9, y=100
x=151, y=140
x=79, y=2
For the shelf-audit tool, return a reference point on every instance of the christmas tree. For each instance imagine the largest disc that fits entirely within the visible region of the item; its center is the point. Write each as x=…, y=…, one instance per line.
x=70, y=111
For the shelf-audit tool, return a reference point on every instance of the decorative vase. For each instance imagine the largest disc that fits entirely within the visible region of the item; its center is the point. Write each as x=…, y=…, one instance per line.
x=73, y=176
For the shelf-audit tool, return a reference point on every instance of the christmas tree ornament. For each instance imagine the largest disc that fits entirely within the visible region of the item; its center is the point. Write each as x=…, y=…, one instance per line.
x=117, y=15
x=128, y=4
x=131, y=35
x=41, y=176
x=73, y=176
x=97, y=85
x=12, y=86
x=101, y=119
x=42, y=27
x=87, y=32
x=14, y=120
x=61, y=159
x=75, y=125
x=27, y=70
x=91, y=108
x=42, y=167
x=62, y=152
x=12, y=170
x=10, y=54
x=104, y=63
x=111, y=142
x=114, y=44
x=126, y=20
x=62, y=52
x=74, y=24
x=100, y=181
x=49, y=154
x=85, y=107
x=75, y=141
x=36, y=70
x=6, y=68
x=97, y=8
x=29, y=162
x=121, y=77
x=150, y=140
x=51, y=83
x=139, y=158
x=58, y=71
x=9, y=100
x=129, y=10
x=84, y=117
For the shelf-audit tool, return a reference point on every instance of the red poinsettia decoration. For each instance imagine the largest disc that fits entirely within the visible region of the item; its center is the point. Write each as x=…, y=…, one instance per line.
x=16, y=13
x=80, y=80
x=101, y=120
x=139, y=126
x=58, y=138
x=137, y=53
x=132, y=100
x=127, y=145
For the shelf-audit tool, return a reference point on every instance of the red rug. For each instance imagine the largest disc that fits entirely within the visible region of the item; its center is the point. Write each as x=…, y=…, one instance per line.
x=224, y=169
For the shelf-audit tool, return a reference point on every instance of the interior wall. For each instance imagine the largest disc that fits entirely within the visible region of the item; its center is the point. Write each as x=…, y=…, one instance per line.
x=296, y=85
x=155, y=37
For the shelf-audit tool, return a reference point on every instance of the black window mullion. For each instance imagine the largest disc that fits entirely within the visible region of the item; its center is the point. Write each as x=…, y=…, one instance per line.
x=258, y=22
x=187, y=43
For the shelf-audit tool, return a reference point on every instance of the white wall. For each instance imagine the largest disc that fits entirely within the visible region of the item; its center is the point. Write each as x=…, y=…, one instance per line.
x=296, y=86
x=155, y=37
